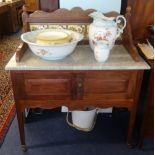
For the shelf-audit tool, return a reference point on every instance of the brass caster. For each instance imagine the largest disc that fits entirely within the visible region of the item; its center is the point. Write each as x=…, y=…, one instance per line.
x=24, y=148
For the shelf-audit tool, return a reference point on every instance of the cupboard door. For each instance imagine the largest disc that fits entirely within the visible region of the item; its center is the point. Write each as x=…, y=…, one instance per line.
x=40, y=85
x=109, y=85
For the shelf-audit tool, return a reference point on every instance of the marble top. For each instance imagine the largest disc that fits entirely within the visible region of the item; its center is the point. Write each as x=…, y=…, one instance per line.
x=81, y=59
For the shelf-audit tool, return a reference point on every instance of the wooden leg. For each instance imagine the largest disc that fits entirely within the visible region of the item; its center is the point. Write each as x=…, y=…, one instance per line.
x=131, y=128
x=141, y=142
x=20, y=118
x=133, y=109
x=24, y=116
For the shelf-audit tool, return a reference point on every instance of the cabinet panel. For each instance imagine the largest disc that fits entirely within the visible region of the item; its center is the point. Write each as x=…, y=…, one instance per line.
x=85, y=86
x=106, y=86
x=41, y=85
x=47, y=86
x=109, y=85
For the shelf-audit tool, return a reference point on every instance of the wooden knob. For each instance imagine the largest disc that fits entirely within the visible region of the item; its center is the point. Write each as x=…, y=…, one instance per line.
x=128, y=9
x=79, y=85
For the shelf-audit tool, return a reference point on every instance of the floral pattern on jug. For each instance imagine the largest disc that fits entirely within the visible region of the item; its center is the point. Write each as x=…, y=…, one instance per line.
x=105, y=29
x=101, y=36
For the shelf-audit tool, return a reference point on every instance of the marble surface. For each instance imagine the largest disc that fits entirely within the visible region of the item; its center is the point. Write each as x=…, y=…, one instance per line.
x=81, y=59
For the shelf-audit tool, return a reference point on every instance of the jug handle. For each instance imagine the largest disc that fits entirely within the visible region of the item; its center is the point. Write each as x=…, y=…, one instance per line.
x=120, y=30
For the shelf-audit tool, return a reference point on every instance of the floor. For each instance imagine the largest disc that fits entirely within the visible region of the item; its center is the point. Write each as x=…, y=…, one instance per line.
x=49, y=134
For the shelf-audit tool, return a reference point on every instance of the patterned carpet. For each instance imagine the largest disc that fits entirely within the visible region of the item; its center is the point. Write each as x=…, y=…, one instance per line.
x=8, y=44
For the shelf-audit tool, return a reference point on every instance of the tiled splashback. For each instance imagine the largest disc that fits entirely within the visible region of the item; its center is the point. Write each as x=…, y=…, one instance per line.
x=81, y=28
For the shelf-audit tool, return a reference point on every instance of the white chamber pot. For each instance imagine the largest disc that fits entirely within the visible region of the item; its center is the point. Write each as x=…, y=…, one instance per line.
x=83, y=120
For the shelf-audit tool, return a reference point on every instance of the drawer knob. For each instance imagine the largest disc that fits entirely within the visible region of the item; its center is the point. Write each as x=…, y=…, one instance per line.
x=79, y=92
x=79, y=85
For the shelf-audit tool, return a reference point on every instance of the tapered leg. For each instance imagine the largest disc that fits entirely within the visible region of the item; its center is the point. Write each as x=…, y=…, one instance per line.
x=131, y=128
x=20, y=118
x=133, y=110
x=20, y=114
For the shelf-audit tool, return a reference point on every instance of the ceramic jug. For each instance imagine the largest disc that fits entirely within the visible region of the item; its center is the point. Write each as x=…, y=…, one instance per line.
x=105, y=29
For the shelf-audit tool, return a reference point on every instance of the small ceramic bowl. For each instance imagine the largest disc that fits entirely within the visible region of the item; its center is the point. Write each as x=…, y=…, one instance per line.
x=50, y=51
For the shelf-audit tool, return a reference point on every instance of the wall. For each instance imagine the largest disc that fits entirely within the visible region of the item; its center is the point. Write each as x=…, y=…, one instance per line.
x=101, y=5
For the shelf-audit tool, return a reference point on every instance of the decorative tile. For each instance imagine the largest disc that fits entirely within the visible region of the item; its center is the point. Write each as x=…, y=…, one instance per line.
x=81, y=28
x=87, y=31
x=53, y=26
x=78, y=28
x=38, y=26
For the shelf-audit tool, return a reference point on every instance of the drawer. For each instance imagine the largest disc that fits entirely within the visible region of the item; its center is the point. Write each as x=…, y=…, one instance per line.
x=50, y=86
x=78, y=85
x=109, y=85
x=45, y=85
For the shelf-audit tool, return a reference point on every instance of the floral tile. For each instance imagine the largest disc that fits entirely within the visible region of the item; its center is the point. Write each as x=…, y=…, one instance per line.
x=87, y=31
x=38, y=26
x=78, y=28
x=54, y=26
x=81, y=28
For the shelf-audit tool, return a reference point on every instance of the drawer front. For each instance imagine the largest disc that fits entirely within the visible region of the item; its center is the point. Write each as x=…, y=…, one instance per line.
x=109, y=85
x=41, y=85
x=47, y=86
x=84, y=86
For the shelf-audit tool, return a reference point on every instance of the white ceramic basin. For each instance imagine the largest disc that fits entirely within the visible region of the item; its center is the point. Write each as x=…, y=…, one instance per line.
x=52, y=50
